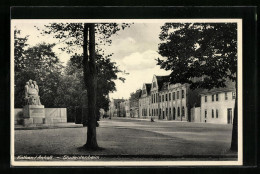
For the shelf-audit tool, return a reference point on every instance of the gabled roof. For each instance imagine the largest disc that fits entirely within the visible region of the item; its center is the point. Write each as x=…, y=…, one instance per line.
x=148, y=87
x=161, y=80
x=230, y=86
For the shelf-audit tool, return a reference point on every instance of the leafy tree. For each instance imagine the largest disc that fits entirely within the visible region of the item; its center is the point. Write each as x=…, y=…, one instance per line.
x=38, y=63
x=86, y=36
x=19, y=48
x=134, y=98
x=70, y=91
x=206, y=52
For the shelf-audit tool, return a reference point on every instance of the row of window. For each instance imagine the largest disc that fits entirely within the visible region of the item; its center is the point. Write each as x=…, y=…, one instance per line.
x=212, y=113
x=156, y=98
x=226, y=97
x=155, y=112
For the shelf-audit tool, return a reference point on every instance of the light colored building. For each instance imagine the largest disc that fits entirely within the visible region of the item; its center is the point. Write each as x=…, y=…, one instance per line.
x=217, y=105
x=172, y=101
x=145, y=101
x=114, y=107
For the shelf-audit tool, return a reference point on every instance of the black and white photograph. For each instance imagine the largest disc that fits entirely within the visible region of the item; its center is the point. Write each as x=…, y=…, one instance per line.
x=126, y=92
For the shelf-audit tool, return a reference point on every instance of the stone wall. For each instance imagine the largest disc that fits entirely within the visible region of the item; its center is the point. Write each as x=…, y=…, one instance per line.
x=195, y=115
x=52, y=115
x=55, y=115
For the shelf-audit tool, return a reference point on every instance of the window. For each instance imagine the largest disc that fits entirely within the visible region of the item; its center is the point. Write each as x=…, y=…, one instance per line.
x=226, y=96
x=166, y=97
x=152, y=112
x=169, y=96
x=157, y=112
x=170, y=111
x=173, y=96
x=159, y=98
x=162, y=98
x=206, y=99
x=212, y=113
x=166, y=111
x=216, y=113
x=183, y=112
x=216, y=97
x=182, y=93
x=206, y=113
x=233, y=95
x=149, y=112
x=178, y=111
x=160, y=111
x=212, y=97
x=154, y=84
x=178, y=94
x=152, y=98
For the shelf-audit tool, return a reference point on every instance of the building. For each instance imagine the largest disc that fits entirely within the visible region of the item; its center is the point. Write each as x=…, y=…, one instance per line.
x=217, y=105
x=172, y=101
x=124, y=109
x=114, y=107
x=145, y=101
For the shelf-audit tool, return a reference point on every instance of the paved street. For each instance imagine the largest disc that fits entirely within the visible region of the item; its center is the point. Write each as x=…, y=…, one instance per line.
x=121, y=136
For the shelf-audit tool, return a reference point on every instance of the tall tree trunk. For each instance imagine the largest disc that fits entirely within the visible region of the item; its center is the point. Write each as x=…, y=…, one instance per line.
x=91, y=84
x=234, y=140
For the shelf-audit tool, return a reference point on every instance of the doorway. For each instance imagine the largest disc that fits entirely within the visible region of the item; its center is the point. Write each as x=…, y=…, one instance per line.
x=163, y=115
x=229, y=115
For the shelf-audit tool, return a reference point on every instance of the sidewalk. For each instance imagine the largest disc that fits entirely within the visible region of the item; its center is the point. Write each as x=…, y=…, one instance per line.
x=147, y=119
x=48, y=126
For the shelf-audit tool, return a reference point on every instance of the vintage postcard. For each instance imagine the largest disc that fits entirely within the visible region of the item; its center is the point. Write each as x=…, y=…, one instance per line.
x=126, y=92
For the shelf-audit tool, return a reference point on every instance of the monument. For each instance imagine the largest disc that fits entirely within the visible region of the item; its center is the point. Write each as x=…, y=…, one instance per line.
x=33, y=111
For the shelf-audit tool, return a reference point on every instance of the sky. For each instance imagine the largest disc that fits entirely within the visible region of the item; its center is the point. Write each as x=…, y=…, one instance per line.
x=134, y=51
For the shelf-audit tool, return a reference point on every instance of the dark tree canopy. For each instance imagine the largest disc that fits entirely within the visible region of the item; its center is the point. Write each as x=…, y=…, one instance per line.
x=38, y=63
x=199, y=50
x=72, y=34
x=107, y=73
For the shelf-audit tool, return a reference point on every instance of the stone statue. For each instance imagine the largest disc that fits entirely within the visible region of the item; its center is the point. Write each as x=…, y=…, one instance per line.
x=32, y=93
x=36, y=86
x=26, y=87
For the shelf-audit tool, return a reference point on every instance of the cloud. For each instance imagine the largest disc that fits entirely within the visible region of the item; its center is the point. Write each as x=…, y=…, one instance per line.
x=135, y=81
x=139, y=61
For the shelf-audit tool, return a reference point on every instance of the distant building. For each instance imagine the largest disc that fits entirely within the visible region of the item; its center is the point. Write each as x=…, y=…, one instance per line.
x=127, y=108
x=217, y=105
x=114, y=107
x=145, y=101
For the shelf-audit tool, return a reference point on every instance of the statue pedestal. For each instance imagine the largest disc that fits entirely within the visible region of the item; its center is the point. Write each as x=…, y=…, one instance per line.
x=33, y=114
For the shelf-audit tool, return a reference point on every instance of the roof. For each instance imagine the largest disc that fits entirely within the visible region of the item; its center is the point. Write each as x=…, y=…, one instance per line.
x=230, y=86
x=148, y=88
x=161, y=80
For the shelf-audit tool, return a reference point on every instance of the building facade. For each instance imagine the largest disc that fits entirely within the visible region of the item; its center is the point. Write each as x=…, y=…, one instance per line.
x=114, y=107
x=145, y=101
x=172, y=101
x=217, y=105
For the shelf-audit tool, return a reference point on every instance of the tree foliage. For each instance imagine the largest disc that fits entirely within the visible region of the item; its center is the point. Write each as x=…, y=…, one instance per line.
x=207, y=50
x=38, y=63
x=134, y=98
